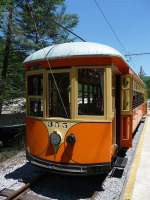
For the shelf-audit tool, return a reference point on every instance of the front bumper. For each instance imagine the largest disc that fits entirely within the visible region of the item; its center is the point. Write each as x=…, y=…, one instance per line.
x=73, y=169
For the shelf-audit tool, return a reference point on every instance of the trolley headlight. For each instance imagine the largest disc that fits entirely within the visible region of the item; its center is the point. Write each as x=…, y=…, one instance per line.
x=71, y=139
x=55, y=138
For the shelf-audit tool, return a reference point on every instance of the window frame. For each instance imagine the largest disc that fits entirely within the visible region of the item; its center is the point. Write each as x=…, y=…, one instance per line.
x=30, y=97
x=73, y=71
x=138, y=88
x=86, y=94
x=107, y=95
x=66, y=70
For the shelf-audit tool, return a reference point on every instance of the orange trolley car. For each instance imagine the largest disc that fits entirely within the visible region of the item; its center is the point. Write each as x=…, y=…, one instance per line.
x=83, y=103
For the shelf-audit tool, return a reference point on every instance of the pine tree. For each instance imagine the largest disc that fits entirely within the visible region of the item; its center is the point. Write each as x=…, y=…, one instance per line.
x=5, y=61
x=37, y=27
x=19, y=36
x=141, y=73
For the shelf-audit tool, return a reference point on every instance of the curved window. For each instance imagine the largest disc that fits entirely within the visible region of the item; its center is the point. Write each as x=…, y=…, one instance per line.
x=138, y=99
x=91, y=91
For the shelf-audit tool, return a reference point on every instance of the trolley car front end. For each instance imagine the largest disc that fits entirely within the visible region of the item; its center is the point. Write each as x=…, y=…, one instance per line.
x=79, y=107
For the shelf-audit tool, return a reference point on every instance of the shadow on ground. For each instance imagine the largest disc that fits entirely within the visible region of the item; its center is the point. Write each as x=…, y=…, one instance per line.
x=59, y=186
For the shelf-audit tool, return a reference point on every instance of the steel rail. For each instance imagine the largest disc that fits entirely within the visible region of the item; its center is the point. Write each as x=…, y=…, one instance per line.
x=24, y=188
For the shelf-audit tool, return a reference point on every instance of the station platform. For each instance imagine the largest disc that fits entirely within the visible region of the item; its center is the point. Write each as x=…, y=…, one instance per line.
x=138, y=182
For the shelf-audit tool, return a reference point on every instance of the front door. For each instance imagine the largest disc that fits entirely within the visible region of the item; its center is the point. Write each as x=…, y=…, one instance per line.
x=118, y=107
x=116, y=111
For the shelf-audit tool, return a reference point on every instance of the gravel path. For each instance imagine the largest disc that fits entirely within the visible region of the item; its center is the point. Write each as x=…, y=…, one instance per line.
x=8, y=167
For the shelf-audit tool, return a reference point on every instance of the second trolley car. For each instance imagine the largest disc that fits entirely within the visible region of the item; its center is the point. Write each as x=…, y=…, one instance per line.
x=83, y=103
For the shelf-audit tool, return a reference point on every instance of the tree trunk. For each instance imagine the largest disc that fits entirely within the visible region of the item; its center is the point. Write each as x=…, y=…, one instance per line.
x=36, y=38
x=6, y=56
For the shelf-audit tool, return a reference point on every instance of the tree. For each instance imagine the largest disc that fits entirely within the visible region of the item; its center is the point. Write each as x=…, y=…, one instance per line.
x=25, y=27
x=141, y=73
x=146, y=80
x=37, y=27
x=5, y=61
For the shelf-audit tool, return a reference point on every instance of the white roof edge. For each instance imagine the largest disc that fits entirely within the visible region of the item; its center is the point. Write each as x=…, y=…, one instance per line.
x=73, y=49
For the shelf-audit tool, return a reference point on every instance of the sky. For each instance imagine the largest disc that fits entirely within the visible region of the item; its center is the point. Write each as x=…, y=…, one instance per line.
x=130, y=19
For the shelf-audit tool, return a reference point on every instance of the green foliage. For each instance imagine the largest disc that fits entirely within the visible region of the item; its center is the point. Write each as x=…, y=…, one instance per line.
x=142, y=73
x=24, y=36
x=44, y=15
x=146, y=80
x=15, y=79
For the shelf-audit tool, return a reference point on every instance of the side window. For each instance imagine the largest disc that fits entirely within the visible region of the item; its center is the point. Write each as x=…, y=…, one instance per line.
x=126, y=100
x=35, y=95
x=91, y=91
x=138, y=94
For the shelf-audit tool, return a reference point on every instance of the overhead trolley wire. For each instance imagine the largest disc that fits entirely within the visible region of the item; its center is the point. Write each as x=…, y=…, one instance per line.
x=58, y=24
x=138, y=54
x=109, y=24
x=65, y=28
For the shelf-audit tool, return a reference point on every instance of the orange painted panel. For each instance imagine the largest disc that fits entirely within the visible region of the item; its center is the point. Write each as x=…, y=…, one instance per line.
x=129, y=125
x=126, y=131
x=79, y=61
x=36, y=136
x=138, y=114
x=93, y=143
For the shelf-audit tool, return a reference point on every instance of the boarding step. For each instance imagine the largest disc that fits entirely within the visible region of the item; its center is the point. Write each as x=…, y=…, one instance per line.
x=118, y=167
x=120, y=162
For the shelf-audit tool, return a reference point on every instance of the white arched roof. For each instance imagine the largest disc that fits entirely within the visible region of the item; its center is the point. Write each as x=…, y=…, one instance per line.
x=72, y=49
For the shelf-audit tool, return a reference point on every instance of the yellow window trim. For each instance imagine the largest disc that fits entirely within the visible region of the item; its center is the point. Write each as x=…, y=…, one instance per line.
x=28, y=97
x=108, y=114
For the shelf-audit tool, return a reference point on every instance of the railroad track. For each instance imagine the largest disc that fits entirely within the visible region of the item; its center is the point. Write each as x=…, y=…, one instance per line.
x=22, y=192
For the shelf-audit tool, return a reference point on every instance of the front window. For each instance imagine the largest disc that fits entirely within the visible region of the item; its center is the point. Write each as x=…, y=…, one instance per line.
x=35, y=95
x=91, y=91
x=59, y=95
